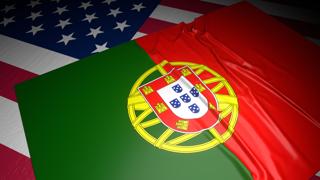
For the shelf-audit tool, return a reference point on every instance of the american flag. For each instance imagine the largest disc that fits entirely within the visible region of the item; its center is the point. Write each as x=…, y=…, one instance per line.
x=39, y=36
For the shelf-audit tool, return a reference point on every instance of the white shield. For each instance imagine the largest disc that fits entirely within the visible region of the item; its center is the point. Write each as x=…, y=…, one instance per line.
x=182, y=102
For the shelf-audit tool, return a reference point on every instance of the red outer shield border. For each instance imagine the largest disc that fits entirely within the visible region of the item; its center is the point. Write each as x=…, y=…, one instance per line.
x=161, y=109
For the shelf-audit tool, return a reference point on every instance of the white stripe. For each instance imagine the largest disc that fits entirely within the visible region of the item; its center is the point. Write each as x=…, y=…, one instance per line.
x=11, y=129
x=173, y=15
x=318, y=174
x=138, y=35
x=279, y=10
x=30, y=57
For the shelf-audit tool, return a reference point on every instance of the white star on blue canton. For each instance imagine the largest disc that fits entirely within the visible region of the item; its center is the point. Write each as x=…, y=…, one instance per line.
x=35, y=29
x=34, y=16
x=85, y=5
x=95, y=32
x=90, y=17
x=61, y=10
x=121, y=26
x=34, y=3
x=6, y=21
x=108, y=1
x=8, y=8
x=100, y=48
x=63, y=23
x=66, y=38
x=138, y=7
x=114, y=12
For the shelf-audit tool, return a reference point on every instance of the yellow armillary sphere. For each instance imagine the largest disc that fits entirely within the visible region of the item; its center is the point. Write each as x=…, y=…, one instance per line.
x=176, y=137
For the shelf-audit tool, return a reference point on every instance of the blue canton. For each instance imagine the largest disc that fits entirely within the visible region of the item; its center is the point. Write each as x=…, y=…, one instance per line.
x=71, y=27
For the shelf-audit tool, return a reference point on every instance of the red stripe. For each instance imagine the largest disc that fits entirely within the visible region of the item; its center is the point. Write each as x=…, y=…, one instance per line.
x=304, y=28
x=192, y=5
x=9, y=77
x=152, y=25
x=14, y=166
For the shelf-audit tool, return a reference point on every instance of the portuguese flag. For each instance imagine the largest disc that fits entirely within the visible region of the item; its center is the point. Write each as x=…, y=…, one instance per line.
x=232, y=95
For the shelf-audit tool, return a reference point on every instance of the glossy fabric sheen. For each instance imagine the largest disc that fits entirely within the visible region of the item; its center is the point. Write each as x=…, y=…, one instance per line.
x=275, y=74
x=77, y=126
